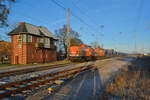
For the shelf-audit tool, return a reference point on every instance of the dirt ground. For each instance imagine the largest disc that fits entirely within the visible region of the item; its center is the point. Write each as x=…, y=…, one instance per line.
x=132, y=83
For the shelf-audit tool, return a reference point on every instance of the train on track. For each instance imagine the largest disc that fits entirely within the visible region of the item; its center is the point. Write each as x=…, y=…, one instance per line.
x=87, y=53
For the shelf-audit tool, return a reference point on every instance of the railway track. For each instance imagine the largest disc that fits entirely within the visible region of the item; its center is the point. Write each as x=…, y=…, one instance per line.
x=10, y=89
x=36, y=69
x=29, y=70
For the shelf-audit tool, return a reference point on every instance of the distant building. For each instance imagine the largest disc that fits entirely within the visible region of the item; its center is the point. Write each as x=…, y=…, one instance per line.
x=5, y=50
x=32, y=44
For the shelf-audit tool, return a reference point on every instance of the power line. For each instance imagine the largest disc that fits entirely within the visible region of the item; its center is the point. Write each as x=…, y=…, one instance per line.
x=36, y=19
x=77, y=1
x=81, y=10
x=74, y=15
x=59, y=4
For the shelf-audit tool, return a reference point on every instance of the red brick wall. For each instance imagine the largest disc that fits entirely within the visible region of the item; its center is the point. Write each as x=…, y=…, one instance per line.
x=31, y=54
x=18, y=51
x=12, y=49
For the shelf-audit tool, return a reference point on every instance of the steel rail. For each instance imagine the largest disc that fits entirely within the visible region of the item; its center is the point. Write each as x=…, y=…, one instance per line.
x=28, y=70
x=38, y=81
x=36, y=69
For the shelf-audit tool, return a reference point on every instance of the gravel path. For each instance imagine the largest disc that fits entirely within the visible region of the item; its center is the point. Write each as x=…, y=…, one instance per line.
x=88, y=85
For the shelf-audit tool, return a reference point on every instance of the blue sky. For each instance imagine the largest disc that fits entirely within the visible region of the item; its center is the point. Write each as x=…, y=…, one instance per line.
x=119, y=17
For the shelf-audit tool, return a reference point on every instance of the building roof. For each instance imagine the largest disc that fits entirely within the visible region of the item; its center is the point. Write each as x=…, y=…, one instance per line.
x=4, y=42
x=32, y=29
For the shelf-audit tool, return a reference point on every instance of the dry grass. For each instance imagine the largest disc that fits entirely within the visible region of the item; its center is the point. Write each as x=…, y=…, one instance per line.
x=36, y=64
x=133, y=82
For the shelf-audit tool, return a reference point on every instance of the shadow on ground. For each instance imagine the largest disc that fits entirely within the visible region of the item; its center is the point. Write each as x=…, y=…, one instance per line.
x=85, y=86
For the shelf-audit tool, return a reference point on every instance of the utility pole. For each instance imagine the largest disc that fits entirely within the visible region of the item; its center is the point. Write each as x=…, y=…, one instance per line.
x=96, y=42
x=68, y=36
x=102, y=45
x=102, y=26
x=135, y=41
x=143, y=48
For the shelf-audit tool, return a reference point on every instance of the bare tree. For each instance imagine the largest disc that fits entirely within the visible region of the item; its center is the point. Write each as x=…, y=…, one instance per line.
x=5, y=49
x=75, y=42
x=5, y=36
x=95, y=45
x=4, y=11
x=62, y=36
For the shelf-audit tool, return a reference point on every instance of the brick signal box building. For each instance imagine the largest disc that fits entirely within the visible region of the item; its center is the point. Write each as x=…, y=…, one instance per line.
x=32, y=44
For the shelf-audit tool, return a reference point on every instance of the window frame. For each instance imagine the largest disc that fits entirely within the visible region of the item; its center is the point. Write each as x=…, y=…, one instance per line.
x=47, y=41
x=29, y=40
x=42, y=40
x=19, y=39
x=24, y=38
x=55, y=43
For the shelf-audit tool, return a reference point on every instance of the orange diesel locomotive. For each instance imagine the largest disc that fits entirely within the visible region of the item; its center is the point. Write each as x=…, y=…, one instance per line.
x=99, y=53
x=86, y=53
x=81, y=53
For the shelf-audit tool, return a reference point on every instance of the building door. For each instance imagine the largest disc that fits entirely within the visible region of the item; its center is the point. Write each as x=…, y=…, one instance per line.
x=44, y=55
x=16, y=60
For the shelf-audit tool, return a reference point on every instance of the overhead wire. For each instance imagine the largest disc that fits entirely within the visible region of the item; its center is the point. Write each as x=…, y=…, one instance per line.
x=83, y=12
x=139, y=13
x=58, y=3
x=91, y=20
x=35, y=19
x=54, y=1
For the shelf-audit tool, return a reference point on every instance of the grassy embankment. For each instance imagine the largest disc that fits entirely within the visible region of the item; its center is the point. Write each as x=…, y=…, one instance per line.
x=133, y=82
x=7, y=63
x=45, y=64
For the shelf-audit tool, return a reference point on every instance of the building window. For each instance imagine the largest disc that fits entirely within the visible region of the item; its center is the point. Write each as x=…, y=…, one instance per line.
x=47, y=41
x=36, y=39
x=19, y=46
x=29, y=38
x=55, y=43
x=41, y=40
x=24, y=38
x=19, y=38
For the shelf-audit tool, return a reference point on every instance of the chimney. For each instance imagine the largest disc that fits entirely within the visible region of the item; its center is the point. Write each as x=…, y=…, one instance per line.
x=20, y=23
